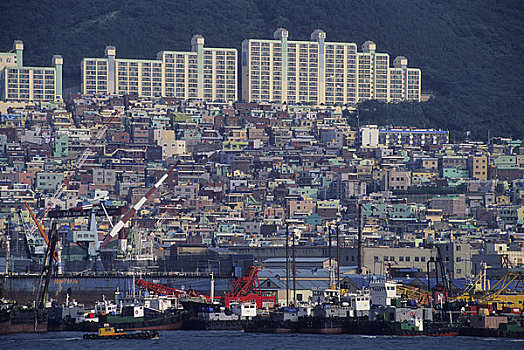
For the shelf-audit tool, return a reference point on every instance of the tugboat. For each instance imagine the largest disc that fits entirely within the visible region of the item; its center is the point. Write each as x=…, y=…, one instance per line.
x=110, y=333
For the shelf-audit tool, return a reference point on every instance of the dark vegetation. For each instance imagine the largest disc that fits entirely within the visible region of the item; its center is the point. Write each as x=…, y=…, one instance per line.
x=470, y=52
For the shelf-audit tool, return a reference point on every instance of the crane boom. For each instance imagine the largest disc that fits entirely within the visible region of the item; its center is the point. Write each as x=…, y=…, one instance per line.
x=80, y=163
x=161, y=289
x=37, y=224
x=133, y=210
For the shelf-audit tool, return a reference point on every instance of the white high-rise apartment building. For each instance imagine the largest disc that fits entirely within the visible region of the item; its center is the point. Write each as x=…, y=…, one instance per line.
x=208, y=74
x=24, y=84
x=404, y=82
x=318, y=71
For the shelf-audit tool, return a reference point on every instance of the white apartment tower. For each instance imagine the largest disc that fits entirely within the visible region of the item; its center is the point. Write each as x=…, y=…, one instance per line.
x=208, y=74
x=404, y=82
x=24, y=84
x=318, y=71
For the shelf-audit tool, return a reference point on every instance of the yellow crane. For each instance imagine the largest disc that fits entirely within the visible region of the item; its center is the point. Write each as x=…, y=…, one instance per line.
x=506, y=292
x=413, y=293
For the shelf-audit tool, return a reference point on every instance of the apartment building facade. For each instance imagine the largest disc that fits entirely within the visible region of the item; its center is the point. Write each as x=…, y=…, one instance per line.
x=203, y=73
x=321, y=72
x=21, y=83
x=373, y=136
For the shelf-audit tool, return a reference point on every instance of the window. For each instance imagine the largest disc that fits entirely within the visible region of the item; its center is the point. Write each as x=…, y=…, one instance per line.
x=422, y=258
x=417, y=258
x=458, y=248
x=459, y=259
x=408, y=258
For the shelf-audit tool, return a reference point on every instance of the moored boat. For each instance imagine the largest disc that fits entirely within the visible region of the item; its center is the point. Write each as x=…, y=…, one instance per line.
x=17, y=319
x=161, y=322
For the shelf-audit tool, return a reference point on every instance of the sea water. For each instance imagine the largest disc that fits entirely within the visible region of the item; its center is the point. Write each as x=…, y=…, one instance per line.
x=230, y=340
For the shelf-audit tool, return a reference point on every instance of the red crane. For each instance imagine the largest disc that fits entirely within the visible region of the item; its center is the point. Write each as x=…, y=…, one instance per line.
x=165, y=290
x=247, y=289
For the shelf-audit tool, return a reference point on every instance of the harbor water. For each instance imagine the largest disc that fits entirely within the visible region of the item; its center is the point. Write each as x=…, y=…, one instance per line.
x=217, y=340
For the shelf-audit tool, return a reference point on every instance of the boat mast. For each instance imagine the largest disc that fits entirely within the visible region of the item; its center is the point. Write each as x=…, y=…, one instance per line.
x=212, y=296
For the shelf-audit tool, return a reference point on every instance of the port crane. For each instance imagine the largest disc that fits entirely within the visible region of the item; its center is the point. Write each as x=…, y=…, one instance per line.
x=507, y=292
x=88, y=239
x=41, y=230
x=244, y=289
x=79, y=164
x=247, y=288
x=135, y=208
x=47, y=267
x=165, y=290
x=413, y=293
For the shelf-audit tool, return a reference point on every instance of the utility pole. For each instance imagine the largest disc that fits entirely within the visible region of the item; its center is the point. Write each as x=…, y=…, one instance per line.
x=330, y=256
x=287, y=265
x=8, y=255
x=359, y=253
x=294, y=273
x=338, y=257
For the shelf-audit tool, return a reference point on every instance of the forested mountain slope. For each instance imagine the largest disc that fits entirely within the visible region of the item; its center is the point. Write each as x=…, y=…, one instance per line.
x=470, y=52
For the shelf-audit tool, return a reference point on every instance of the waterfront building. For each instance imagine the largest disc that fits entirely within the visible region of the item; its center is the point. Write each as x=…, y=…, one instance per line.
x=322, y=72
x=19, y=83
x=208, y=74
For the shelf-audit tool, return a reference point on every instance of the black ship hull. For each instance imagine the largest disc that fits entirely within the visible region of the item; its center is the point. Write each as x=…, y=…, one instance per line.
x=195, y=323
x=23, y=321
x=162, y=323
x=268, y=325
